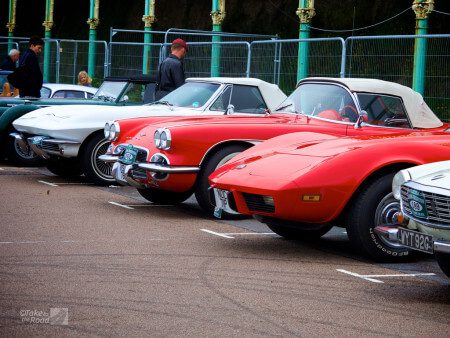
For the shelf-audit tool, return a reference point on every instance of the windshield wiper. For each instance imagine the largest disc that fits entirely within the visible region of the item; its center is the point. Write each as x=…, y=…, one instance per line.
x=167, y=103
x=285, y=106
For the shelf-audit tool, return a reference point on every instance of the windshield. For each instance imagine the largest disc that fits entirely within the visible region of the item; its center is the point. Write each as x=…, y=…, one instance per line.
x=323, y=100
x=110, y=90
x=191, y=94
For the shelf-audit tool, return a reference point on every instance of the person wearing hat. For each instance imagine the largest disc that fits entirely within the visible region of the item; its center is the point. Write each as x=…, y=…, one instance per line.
x=171, y=71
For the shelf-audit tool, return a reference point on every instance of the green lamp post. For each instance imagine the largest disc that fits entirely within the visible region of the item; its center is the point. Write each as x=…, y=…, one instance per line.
x=422, y=9
x=217, y=15
x=148, y=18
x=305, y=13
x=48, y=24
x=93, y=22
x=11, y=23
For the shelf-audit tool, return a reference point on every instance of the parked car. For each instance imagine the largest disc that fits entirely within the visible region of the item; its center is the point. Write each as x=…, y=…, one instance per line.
x=72, y=137
x=302, y=184
x=169, y=160
x=424, y=221
x=114, y=91
x=66, y=91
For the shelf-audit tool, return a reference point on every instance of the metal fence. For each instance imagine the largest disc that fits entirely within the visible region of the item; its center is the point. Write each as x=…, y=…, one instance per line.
x=276, y=61
x=391, y=58
x=383, y=57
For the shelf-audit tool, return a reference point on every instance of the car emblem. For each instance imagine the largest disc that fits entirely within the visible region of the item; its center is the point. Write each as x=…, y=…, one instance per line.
x=416, y=206
x=438, y=177
x=241, y=166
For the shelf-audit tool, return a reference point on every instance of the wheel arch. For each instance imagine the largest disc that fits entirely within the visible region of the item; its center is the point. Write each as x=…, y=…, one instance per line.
x=87, y=140
x=223, y=144
x=385, y=170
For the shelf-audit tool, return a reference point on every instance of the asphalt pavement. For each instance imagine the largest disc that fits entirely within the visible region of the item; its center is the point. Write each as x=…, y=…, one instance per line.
x=76, y=259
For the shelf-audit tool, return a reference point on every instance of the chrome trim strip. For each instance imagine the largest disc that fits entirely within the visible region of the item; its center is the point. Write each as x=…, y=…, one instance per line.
x=167, y=170
x=441, y=246
x=388, y=233
x=56, y=141
x=108, y=158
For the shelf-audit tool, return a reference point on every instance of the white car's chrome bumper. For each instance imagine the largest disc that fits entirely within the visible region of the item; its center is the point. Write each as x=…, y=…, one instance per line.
x=46, y=147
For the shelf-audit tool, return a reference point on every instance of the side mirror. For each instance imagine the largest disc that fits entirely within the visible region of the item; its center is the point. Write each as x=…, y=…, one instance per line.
x=363, y=117
x=230, y=110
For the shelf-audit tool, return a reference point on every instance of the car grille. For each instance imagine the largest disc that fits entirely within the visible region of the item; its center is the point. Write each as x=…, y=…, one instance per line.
x=438, y=207
x=49, y=146
x=141, y=155
x=257, y=203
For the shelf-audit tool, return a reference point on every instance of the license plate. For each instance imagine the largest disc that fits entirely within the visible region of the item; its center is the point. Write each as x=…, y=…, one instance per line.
x=129, y=156
x=416, y=240
x=37, y=140
x=418, y=204
x=221, y=197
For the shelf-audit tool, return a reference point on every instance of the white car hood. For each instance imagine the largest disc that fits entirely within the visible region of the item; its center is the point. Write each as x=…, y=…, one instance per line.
x=75, y=122
x=435, y=174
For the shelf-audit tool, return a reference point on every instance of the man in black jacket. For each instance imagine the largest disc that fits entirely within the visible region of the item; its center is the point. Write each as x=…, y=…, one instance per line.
x=9, y=63
x=32, y=75
x=171, y=71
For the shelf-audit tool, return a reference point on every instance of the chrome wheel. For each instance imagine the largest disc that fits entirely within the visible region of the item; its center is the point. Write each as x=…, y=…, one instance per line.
x=386, y=214
x=102, y=169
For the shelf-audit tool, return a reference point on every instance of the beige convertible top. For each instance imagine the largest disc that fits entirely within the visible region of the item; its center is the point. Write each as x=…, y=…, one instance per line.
x=272, y=94
x=420, y=115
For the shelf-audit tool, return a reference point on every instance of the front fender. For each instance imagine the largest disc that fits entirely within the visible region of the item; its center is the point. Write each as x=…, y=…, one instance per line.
x=14, y=113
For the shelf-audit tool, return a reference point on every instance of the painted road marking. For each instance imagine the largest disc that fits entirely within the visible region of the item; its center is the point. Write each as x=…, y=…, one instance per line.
x=120, y=205
x=231, y=234
x=216, y=233
x=2, y=169
x=371, y=278
x=48, y=183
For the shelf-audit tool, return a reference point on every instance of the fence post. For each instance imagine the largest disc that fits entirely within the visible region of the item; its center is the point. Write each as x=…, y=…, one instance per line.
x=422, y=8
x=93, y=23
x=305, y=13
x=343, y=57
x=148, y=18
x=11, y=23
x=48, y=24
x=217, y=15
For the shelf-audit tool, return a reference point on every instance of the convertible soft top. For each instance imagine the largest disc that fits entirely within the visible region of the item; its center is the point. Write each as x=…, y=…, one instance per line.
x=420, y=115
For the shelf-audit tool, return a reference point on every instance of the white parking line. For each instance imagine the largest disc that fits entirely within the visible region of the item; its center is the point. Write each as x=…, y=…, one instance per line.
x=231, y=234
x=150, y=205
x=2, y=169
x=48, y=183
x=371, y=278
x=216, y=233
x=120, y=205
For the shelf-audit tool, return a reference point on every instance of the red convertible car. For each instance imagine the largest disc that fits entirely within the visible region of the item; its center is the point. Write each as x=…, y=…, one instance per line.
x=302, y=184
x=170, y=159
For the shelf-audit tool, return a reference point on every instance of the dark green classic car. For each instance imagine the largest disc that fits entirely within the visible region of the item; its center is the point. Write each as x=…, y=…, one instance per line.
x=115, y=91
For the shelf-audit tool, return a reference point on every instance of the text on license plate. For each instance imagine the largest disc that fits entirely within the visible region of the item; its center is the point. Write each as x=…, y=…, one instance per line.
x=416, y=240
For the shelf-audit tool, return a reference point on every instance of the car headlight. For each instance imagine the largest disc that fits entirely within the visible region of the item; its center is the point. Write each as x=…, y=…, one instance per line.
x=401, y=177
x=106, y=129
x=162, y=138
x=114, y=131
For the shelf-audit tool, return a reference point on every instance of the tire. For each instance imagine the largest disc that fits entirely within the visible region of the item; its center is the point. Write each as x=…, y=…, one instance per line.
x=219, y=158
x=296, y=231
x=95, y=170
x=374, y=205
x=15, y=154
x=158, y=196
x=443, y=260
x=64, y=167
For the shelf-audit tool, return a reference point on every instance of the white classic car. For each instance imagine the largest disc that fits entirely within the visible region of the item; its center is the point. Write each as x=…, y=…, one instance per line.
x=424, y=195
x=72, y=137
x=66, y=91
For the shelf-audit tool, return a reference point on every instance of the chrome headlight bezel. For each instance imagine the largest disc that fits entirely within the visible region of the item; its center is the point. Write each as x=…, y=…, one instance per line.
x=106, y=129
x=162, y=138
x=114, y=131
x=399, y=178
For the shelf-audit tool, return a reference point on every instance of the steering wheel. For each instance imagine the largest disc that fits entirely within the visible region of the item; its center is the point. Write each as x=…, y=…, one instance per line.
x=349, y=112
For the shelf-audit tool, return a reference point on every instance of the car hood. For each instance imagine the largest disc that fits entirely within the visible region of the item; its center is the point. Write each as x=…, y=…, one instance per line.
x=82, y=116
x=435, y=174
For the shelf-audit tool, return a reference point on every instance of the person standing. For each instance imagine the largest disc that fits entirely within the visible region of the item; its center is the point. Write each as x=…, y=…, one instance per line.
x=32, y=76
x=9, y=63
x=171, y=71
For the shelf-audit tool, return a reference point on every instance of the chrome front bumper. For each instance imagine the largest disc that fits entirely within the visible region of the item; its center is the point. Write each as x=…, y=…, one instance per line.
x=127, y=175
x=44, y=147
x=391, y=234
